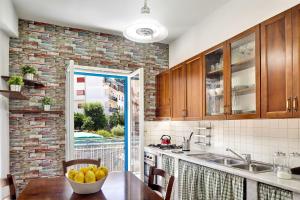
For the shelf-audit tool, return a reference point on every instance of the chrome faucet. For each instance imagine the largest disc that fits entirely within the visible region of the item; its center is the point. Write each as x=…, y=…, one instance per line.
x=244, y=157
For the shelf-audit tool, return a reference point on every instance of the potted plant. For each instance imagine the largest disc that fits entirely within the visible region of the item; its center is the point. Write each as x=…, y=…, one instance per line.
x=28, y=72
x=47, y=102
x=15, y=83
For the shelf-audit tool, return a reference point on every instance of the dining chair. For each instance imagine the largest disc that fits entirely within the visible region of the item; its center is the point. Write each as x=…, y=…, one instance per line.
x=165, y=192
x=69, y=163
x=10, y=182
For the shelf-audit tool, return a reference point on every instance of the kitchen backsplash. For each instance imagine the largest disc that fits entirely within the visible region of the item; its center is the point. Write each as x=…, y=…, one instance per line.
x=261, y=138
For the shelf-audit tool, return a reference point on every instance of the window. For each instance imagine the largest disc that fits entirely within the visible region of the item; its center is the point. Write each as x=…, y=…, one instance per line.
x=80, y=80
x=80, y=92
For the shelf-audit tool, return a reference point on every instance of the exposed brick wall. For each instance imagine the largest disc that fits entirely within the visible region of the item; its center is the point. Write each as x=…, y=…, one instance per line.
x=37, y=141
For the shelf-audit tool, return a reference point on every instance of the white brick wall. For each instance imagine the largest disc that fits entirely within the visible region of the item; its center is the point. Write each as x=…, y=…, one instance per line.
x=261, y=137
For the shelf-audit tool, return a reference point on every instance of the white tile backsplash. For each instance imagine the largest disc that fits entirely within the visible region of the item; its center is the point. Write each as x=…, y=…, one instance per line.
x=261, y=138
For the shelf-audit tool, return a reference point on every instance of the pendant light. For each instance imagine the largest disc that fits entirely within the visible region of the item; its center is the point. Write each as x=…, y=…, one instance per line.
x=146, y=29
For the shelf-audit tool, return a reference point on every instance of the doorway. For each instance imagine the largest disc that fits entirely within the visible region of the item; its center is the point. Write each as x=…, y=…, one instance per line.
x=104, y=117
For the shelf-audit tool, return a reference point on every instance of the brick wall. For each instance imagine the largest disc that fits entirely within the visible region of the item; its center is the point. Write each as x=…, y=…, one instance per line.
x=37, y=141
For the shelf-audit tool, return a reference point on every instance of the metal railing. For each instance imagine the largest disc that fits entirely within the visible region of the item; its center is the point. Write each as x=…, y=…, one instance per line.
x=111, y=154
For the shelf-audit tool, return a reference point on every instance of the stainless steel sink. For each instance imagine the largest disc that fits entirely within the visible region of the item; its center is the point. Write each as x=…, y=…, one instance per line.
x=254, y=167
x=227, y=161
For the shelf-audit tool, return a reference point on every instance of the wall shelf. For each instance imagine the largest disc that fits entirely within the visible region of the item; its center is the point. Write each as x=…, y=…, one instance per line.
x=35, y=111
x=13, y=95
x=34, y=83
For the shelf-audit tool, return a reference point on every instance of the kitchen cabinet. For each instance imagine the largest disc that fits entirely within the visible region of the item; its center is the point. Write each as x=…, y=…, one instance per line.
x=277, y=69
x=178, y=92
x=194, y=89
x=214, y=100
x=296, y=60
x=163, y=109
x=243, y=75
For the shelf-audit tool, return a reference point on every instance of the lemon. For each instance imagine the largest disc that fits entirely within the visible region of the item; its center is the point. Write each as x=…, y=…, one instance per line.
x=92, y=168
x=79, y=178
x=90, y=177
x=84, y=170
x=72, y=173
x=105, y=169
x=99, y=174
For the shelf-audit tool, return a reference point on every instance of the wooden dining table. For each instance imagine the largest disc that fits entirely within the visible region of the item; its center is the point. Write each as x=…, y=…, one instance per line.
x=118, y=186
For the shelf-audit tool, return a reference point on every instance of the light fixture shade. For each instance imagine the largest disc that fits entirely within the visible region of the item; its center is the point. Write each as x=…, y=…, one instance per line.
x=145, y=30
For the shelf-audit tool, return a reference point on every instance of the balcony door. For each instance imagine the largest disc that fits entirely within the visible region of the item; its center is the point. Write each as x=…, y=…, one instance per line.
x=104, y=117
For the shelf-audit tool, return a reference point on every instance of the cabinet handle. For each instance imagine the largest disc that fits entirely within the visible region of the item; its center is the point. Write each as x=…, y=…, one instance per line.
x=295, y=103
x=288, y=104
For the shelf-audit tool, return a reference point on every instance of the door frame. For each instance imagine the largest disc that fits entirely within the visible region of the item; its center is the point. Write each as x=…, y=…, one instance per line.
x=69, y=109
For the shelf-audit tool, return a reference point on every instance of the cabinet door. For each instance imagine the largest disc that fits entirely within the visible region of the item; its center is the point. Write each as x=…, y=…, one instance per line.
x=244, y=75
x=178, y=85
x=194, y=89
x=214, y=84
x=163, y=95
x=276, y=64
x=296, y=60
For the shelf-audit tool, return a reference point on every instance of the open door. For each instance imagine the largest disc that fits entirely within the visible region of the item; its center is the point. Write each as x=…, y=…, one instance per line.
x=135, y=144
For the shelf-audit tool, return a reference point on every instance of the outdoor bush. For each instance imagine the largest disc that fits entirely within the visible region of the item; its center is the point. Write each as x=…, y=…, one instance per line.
x=78, y=121
x=88, y=124
x=96, y=113
x=118, y=130
x=104, y=133
x=115, y=119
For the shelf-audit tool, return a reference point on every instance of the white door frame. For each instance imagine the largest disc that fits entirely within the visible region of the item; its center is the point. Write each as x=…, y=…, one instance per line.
x=70, y=107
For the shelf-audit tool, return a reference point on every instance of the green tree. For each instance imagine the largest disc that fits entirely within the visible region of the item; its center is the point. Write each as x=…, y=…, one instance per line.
x=96, y=112
x=118, y=130
x=78, y=121
x=88, y=124
x=115, y=119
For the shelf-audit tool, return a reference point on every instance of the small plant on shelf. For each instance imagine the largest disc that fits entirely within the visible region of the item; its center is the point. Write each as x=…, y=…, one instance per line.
x=28, y=72
x=15, y=83
x=47, y=102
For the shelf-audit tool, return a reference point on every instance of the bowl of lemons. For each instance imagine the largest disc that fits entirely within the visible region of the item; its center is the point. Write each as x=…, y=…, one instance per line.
x=87, y=180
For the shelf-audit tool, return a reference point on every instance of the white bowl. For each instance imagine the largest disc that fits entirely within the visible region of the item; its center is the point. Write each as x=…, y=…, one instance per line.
x=86, y=188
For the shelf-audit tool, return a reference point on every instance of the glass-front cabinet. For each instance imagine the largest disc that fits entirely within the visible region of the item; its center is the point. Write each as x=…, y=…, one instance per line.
x=214, y=83
x=244, y=73
x=232, y=78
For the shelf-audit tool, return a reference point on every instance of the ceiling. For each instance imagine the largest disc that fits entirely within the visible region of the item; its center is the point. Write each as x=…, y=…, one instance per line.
x=112, y=16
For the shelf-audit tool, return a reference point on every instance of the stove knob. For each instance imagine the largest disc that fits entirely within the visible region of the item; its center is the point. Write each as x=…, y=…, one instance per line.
x=150, y=157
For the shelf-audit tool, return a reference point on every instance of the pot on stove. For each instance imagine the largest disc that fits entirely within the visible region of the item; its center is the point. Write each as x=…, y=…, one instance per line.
x=165, y=139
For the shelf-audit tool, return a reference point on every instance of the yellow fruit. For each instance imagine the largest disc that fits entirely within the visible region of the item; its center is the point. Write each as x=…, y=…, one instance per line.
x=79, y=178
x=72, y=173
x=92, y=168
x=100, y=174
x=90, y=177
x=104, y=169
x=84, y=170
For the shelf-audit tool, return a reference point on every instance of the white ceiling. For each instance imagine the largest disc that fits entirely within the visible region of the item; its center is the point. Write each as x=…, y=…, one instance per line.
x=112, y=16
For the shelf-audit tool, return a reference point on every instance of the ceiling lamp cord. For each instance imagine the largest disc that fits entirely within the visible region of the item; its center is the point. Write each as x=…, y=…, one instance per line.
x=145, y=9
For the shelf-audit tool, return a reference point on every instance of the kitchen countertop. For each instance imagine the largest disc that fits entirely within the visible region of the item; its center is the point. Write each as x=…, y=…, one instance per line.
x=266, y=177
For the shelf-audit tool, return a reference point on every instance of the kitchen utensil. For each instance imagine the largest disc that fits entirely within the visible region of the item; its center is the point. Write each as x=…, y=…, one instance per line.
x=187, y=143
x=165, y=139
x=279, y=160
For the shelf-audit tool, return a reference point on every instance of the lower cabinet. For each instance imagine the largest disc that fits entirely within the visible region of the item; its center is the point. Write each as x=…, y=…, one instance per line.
x=268, y=192
x=168, y=165
x=202, y=183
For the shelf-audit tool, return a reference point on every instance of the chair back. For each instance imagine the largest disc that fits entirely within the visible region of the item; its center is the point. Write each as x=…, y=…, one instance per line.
x=69, y=163
x=10, y=182
x=166, y=192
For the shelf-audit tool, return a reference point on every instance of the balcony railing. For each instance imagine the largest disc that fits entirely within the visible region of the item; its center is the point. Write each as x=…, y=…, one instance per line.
x=111, y=154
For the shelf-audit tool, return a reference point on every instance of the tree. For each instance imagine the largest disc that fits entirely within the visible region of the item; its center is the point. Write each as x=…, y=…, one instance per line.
x=115, y=119
x=88, y=124
x=78, y=121
x=96, y=112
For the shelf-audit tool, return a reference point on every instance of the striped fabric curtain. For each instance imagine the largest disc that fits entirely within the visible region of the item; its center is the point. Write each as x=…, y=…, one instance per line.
x=168, y=165
x=197, y=182
x=268, y=192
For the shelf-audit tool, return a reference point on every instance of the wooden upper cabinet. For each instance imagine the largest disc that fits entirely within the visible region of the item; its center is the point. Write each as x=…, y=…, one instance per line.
x=214, y=88
x=296, y=60
x=163, y=109
x=178, y=92
x=243, y=75
x=276, y=66
x=194, y=89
